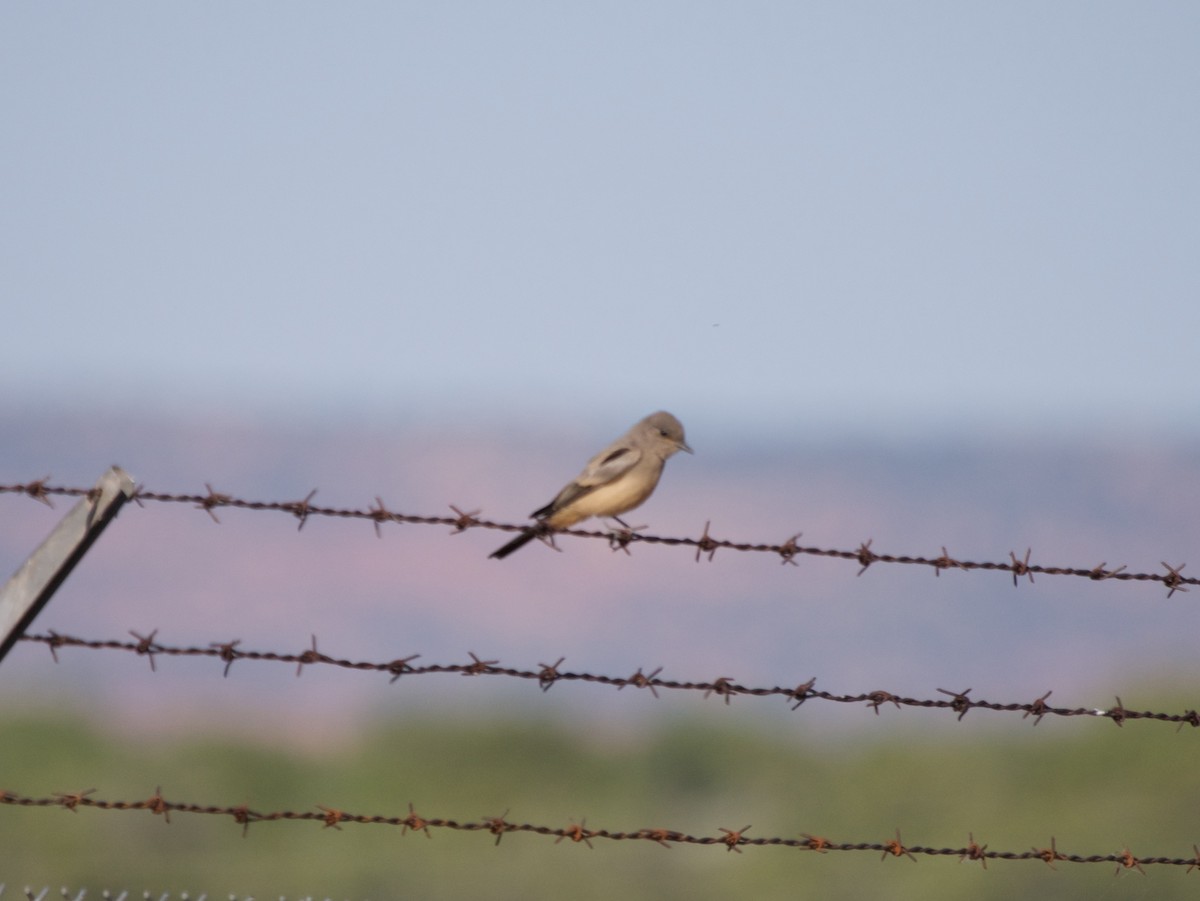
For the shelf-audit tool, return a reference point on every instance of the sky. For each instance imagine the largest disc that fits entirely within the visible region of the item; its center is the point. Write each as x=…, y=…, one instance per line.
x=784, y=218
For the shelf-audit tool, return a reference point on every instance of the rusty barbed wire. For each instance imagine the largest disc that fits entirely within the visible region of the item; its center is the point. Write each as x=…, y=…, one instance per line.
x=1018, y=566
x=580, y=833
x=548, y=674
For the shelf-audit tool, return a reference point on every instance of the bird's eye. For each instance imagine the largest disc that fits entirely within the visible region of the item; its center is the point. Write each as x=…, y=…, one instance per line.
x=663, y=432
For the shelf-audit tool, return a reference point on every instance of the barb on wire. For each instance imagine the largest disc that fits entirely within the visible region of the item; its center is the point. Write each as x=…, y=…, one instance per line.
x=705, y=545
x=546, y=675
x=581, y=833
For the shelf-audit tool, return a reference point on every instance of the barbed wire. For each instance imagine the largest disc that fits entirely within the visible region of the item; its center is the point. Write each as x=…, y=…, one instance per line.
x=621, y=539
x=499, y=826
x=548, y=674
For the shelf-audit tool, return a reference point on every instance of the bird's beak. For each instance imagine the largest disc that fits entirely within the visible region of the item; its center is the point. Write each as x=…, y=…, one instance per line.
x=683, y=447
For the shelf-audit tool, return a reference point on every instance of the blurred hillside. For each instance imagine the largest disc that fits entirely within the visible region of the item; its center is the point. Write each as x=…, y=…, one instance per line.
x=467, y=749
x=1095, y=788
x=419, y=589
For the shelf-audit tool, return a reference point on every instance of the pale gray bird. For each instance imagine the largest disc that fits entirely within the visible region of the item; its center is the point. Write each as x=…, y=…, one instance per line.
x=614, y=481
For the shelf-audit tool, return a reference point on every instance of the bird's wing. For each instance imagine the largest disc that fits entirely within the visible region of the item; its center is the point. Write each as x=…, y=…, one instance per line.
x=607, y=466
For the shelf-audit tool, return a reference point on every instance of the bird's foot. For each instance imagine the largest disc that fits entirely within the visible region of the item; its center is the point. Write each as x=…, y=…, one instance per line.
x=620, y=536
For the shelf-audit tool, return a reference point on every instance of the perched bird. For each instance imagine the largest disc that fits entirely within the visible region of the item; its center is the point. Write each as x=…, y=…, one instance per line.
x=614, y=481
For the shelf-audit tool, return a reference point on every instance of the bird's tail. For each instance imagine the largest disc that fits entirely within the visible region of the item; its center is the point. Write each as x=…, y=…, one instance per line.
x=517, y=543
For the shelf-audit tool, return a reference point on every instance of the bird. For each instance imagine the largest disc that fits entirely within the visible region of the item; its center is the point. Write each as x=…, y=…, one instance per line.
x=614, y=481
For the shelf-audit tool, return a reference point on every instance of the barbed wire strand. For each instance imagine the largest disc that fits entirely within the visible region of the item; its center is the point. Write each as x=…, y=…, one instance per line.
x=499, y=826
x=622, y=539
x=548, y=674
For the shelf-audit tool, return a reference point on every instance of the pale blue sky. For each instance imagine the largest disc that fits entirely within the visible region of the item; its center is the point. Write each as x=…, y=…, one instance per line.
x=876, y=217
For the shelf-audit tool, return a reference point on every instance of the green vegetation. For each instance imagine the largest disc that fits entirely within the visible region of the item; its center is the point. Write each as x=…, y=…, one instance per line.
x=1095, y=787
